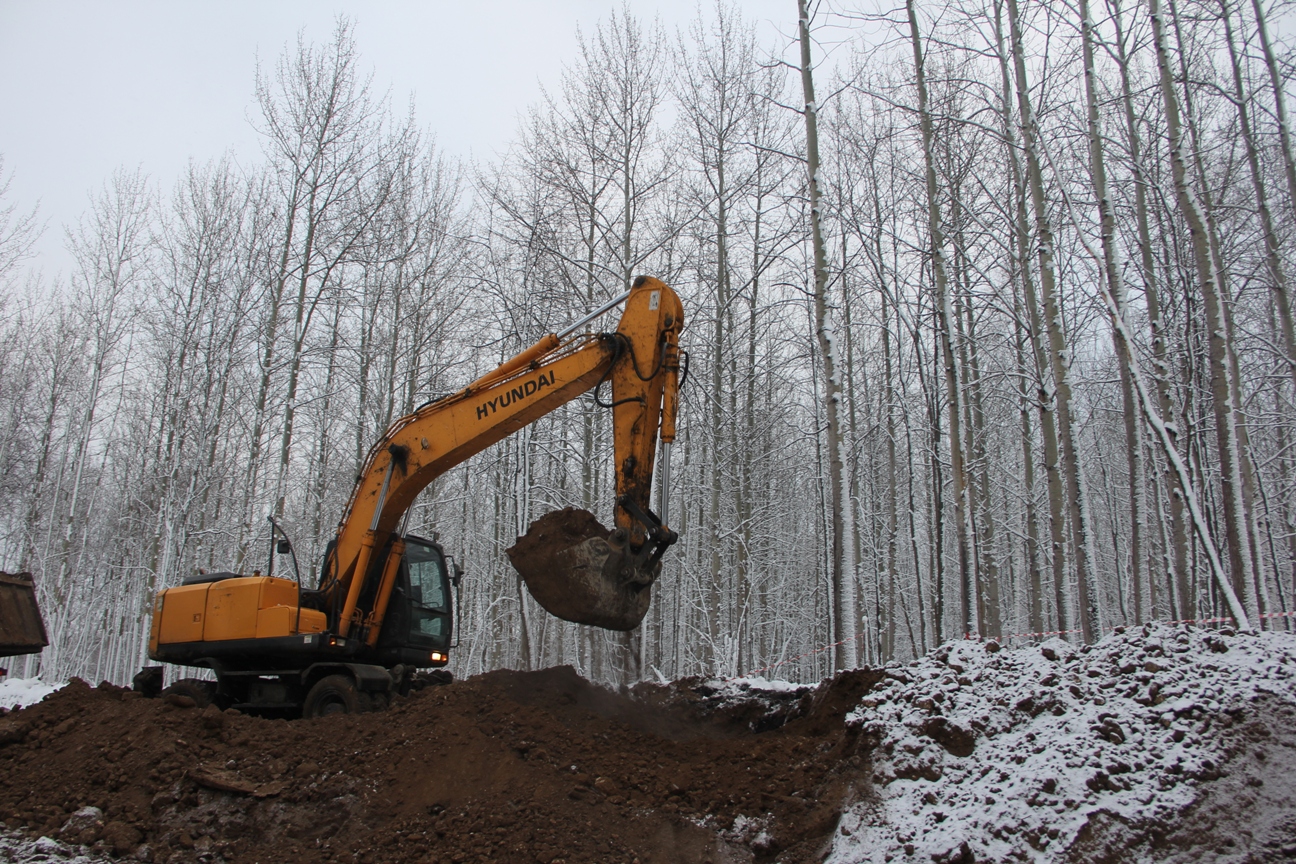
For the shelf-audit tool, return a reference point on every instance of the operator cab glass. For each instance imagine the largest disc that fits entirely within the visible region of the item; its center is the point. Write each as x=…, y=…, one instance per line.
x=428, y=591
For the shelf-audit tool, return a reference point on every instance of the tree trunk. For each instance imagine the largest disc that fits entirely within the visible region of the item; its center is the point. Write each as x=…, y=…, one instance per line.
x=1035, y=600
x=1046, y=397
x=845, y=617
x=1116, y=287
x=1280, y=102
x=1162, y=372
x=1223, y=387
x=1059, y=352
x=1273, y=259
x=945, y=328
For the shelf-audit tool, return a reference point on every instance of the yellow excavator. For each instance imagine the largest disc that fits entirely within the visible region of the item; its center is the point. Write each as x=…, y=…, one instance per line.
x=382, y=609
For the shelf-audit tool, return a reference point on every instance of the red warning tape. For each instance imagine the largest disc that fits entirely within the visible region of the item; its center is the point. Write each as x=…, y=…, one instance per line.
x=806, y=654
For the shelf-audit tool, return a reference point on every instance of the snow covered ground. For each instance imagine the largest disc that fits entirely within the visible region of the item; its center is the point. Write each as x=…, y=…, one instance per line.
x=21, y=692
x=1157, y=743
x=19, y=849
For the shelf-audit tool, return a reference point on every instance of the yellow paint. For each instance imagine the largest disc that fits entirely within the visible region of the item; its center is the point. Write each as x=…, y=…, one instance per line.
x=230, y=609
x=531, y=385
x=283, y=621
x=641, y=364
x=183, y=613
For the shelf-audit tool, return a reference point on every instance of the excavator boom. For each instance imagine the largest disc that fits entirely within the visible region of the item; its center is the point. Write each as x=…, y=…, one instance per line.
x=641, y=362
x=383, y=605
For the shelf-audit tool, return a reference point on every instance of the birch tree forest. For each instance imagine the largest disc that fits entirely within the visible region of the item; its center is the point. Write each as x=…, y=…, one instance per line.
x=1017, y=356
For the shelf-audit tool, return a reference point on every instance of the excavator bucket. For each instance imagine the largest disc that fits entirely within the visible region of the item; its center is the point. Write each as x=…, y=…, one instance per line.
x=580, y=571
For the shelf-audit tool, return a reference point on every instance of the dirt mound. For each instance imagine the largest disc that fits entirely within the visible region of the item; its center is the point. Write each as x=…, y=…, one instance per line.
x=575, y=568
x=508, y=766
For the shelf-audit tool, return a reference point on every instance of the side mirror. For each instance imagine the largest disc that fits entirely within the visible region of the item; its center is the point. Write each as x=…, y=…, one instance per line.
x=457, y=573
x=283, y=547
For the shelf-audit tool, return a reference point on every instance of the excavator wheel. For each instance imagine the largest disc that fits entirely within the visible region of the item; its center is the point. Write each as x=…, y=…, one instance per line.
x=148, y=682
x=202, y=693
x=374, y=701
x=332, y=694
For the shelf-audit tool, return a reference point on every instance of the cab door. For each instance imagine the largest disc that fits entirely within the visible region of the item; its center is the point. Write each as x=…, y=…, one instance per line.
x=426, y=586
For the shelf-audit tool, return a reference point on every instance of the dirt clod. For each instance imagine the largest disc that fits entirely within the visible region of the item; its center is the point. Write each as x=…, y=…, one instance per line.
x=121, y=837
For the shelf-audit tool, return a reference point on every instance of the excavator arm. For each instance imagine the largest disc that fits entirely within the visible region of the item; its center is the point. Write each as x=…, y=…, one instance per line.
x=640, y=361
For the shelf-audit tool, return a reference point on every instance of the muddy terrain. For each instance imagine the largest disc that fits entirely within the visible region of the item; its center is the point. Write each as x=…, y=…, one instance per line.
x=527, y=767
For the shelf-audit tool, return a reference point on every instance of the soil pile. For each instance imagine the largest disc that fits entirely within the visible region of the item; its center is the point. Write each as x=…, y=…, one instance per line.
x=575, y=569
x=527, y=767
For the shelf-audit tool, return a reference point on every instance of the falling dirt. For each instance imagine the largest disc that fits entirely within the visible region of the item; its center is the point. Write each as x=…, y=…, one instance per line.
x=574, y=569
x=527, y=767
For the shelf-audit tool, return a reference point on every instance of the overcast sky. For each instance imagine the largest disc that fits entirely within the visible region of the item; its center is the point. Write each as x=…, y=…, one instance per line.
x=86, y=87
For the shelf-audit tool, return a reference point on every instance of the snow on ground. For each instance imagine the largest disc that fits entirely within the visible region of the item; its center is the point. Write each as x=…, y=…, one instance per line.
x=16, y=847
x=21, y=692
x=1034, y=754
x=759, y=684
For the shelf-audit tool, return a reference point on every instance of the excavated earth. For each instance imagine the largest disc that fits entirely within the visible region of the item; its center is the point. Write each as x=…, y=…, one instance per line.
x=1158, y=744
x=572, y=570
x=551, y=534
x=508, y=766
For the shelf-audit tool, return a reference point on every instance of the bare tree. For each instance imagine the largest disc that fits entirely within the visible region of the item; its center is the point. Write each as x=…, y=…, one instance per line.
x=845, y=612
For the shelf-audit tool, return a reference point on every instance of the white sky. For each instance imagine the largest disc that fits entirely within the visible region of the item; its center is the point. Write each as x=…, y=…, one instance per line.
x=86, y=87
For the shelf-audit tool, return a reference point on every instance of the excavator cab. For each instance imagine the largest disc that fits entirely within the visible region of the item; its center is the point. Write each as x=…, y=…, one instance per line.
x=420, y=617
x=429, y=592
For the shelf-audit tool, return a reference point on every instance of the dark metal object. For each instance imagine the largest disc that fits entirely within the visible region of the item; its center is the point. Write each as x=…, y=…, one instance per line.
x=21, y=629
x=148, y=681
x=660, y=538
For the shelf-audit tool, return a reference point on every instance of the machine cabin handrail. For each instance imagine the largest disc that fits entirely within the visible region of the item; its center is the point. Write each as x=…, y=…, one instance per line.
x=641, y=361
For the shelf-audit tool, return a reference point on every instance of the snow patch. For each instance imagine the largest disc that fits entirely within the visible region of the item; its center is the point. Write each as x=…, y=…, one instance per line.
x=21, y=692
x=757, y=683
x=16, y=848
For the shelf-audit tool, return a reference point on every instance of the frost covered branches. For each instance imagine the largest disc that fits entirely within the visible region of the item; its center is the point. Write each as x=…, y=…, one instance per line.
x=1037, y=376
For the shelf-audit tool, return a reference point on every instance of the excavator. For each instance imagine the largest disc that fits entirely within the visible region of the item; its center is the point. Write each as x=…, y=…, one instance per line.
x=382, y=609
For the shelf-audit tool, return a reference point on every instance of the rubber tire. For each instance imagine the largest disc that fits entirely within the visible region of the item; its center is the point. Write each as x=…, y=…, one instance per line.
x=196, y=689
x=332, y=694
x=432, y=678
x=148, y=682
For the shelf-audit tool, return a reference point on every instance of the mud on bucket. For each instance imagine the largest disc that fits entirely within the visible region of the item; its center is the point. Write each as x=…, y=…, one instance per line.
x=576, y=574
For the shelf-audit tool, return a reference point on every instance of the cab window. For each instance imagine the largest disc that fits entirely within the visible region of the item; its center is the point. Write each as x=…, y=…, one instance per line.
x=428, y=598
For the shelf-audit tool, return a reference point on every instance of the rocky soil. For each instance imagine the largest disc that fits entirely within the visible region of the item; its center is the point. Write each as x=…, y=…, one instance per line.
x=1156, y=744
